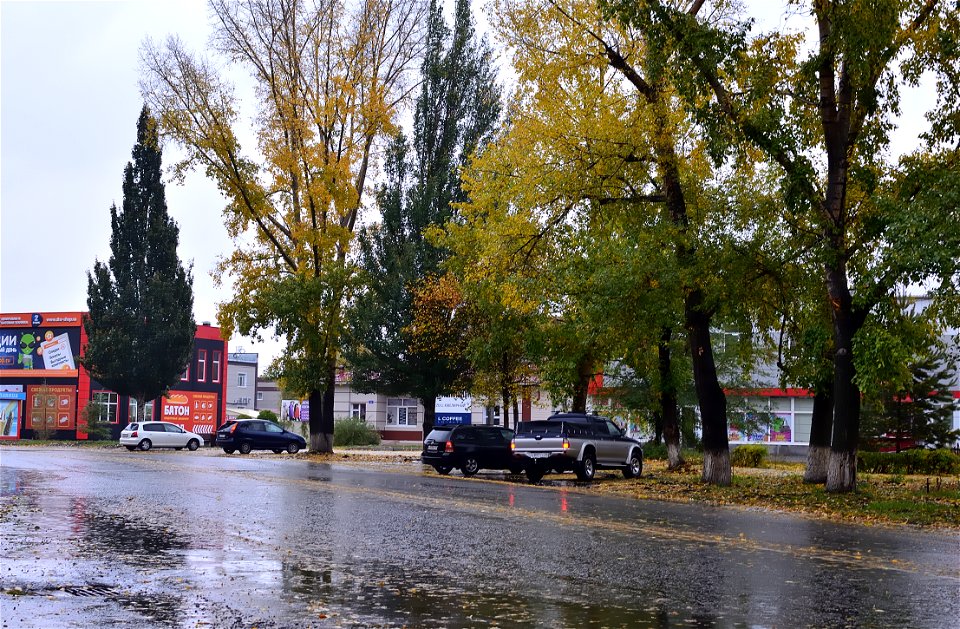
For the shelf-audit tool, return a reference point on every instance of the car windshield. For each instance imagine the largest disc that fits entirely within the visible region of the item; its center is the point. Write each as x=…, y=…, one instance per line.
x=538, y=427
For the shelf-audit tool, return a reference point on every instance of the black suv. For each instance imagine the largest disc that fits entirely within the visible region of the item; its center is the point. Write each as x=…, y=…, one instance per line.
x=469, y=448
x=244, y=435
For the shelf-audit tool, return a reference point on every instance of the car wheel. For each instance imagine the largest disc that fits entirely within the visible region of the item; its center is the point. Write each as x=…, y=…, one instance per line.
x=634, y=466
x=516, y=469
x=245, y=447
x=145, y=445
x=443, y=470
x=293, y=448
x=131, y=448
x=587, y=467
x=193, y=445
x=229, y=450
x=470, y=466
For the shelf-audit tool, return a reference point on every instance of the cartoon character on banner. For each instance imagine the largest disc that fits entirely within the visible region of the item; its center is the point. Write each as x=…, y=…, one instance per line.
x=28, y=343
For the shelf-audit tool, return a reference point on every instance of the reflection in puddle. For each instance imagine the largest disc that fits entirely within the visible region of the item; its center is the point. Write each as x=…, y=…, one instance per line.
x=125, y=538
x=375, y=594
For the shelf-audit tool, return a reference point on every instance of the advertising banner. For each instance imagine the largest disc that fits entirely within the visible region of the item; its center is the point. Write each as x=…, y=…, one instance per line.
x=761, y=428
x=295, y=410
x=9, y=419
x=37, y=352
x=452, y=410
x=51, y=407
x=195, y=411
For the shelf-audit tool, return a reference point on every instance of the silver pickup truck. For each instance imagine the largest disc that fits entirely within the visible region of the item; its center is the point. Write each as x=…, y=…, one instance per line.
x=575, y=441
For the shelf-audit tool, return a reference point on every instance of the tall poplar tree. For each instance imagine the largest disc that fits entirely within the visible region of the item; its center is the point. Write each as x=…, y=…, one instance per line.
x=328, y=78
x=140, y=323
x=456, y=110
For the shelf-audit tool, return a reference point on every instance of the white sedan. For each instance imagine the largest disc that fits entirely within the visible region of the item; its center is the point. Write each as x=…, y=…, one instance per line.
x=146, y=435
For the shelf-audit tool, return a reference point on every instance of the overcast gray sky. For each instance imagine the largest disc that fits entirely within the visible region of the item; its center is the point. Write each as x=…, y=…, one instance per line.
x=69, y=101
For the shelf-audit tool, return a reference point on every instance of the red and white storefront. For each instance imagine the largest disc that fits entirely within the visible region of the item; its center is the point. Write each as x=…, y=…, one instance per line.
x=44, y=388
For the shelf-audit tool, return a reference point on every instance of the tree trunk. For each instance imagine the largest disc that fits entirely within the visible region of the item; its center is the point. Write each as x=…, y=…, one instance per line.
x=141, y=406
x=505, y=395
x=321, y=411
x=842, y=469
x=818, y=453
x=320, y=441
x=429, y=414
x=668, y=401
x=713, y=403
x=584, y=375
x=658, y=426
x=516, y=413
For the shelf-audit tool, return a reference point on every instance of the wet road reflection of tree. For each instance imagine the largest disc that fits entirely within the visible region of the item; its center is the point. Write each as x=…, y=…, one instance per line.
x=279, y=542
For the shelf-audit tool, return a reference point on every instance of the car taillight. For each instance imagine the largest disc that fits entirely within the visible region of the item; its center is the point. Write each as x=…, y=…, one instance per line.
x=566, y=443
x=232, y=428
x=448, y=447
x=134, y=434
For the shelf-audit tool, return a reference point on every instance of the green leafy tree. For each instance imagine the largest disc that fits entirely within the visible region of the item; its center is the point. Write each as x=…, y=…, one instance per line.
x=600, y=152
x=140, y=323
x=456, y=110
x=329, y=77
x=824, y=118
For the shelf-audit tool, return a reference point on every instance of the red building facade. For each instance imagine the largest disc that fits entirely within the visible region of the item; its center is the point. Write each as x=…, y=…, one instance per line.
x=44, y=389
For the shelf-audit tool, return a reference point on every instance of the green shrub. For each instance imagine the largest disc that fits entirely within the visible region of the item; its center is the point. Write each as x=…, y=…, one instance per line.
x=917, y=461
x=354, y=431
x=748, y=456
x=96, y=430
x=658, y=452
x=267, y=414
x=655, y=451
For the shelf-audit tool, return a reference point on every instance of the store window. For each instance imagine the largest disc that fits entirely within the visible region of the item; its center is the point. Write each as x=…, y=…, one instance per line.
x=108, y=406
x=242, y=380
x=201, y=365
x=358, y=411
x=402, y=411
x=215, y=366
x=493, y=415
x=147, y=410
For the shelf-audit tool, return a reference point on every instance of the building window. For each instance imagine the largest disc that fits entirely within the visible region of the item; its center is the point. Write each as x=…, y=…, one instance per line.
x=108, y=406
x=242, y=380
x=358, y=411
x=215, y=367
x=402, y=411
x=147, y=410
x=185, y=376
x=259, y=396
x=492, y=415
x=201, y=365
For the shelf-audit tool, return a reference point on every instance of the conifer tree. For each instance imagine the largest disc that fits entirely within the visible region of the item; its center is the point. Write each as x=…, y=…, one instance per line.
x=140, y=323
x=456, y=110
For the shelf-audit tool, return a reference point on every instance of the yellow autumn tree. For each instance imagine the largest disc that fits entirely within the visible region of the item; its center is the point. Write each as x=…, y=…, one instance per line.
x=600, y=207
x=327, y=79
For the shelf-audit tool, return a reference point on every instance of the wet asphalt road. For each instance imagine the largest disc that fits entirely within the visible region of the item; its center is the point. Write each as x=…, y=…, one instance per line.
x=176, y=539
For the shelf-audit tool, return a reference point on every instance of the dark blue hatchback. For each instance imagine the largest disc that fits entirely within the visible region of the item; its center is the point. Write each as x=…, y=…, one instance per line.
x=244, y=435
